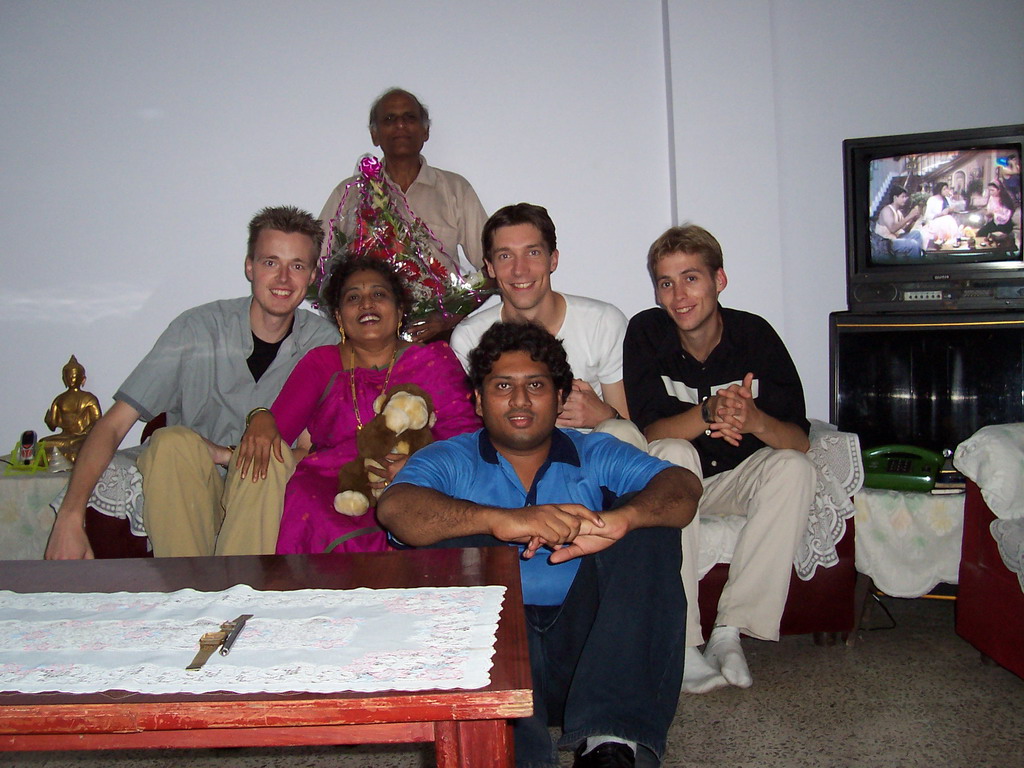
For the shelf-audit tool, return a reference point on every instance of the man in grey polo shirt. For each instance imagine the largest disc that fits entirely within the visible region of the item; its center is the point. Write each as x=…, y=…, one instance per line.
x=210, y=368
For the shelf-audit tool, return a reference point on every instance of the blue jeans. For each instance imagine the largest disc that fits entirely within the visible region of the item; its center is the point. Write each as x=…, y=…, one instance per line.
x=911, y=245
x=609, y=660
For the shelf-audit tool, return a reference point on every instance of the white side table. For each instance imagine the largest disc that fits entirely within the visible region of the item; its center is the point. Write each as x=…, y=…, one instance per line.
x=908, y=542
x=25, y=513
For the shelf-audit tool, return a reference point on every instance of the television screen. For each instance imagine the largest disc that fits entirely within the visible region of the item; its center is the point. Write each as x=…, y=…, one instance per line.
x=949, y=207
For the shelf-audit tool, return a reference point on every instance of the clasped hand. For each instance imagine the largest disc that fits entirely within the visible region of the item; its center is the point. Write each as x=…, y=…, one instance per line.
x=735, y=412
x=569, y=530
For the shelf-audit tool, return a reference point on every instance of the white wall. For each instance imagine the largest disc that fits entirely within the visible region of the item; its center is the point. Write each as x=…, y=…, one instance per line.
x=764, y=93
x=139, y=138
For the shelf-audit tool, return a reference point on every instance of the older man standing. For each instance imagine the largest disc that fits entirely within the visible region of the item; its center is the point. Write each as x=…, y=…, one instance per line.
x=445, y=201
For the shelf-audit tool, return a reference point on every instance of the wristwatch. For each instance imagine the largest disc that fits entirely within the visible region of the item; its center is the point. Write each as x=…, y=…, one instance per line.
x=705, y=411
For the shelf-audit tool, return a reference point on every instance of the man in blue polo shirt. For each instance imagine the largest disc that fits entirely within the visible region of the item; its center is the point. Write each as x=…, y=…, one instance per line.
x=600, y=572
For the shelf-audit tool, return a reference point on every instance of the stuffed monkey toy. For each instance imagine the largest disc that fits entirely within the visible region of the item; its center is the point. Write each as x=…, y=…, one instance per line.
x=405, y=414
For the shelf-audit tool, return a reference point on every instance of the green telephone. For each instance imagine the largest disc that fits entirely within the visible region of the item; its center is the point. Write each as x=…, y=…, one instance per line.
x=901, y=468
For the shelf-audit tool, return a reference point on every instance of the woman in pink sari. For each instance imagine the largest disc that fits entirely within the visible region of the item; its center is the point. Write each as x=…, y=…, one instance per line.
x=329, y=397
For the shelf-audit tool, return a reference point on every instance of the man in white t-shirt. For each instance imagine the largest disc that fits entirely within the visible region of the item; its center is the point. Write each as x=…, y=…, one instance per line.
x=520, y=255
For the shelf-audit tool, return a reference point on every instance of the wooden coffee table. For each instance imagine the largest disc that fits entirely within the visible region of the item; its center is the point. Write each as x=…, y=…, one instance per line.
x=468, y=727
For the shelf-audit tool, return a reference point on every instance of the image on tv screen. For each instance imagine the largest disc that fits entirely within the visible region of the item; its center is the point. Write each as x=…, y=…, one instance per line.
x=960, y=206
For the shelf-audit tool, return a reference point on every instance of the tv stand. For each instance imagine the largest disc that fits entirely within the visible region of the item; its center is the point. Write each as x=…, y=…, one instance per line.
x=926, y=379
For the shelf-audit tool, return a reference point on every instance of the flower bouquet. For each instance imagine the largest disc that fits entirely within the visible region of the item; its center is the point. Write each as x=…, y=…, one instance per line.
x=374, y=219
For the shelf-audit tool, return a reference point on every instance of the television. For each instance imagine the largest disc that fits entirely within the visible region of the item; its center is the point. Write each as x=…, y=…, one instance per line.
x=933, y=221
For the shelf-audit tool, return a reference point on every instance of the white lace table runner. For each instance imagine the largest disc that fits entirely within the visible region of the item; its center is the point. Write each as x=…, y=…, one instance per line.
x=318, y=641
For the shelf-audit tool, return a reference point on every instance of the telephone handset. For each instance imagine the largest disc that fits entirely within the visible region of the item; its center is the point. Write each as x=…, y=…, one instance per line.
x=901, y=468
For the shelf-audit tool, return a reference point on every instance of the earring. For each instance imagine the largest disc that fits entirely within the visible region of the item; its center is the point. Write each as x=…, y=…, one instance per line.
x=340, y=328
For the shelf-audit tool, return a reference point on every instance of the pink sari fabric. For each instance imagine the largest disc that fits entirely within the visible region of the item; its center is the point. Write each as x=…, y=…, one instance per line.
x=318, y=397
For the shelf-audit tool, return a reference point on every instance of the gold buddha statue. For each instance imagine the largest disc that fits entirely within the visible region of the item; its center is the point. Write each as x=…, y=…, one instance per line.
x=73, y=412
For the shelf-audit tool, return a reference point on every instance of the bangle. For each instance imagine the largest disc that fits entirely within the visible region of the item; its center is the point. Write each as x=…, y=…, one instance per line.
x=253, y=412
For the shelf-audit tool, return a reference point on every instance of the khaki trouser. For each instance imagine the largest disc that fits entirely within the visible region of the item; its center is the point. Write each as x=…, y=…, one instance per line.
x=773, y=489
x=190, y=510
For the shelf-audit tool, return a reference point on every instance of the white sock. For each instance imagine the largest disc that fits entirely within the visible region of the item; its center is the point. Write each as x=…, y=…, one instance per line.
x=698, y=675
x=593, y=742
x=724, y=652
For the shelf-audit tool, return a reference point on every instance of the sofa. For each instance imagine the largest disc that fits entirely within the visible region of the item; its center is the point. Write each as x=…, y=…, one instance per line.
x=112, y=537
x=824, y=605
x=822, y=596
x=990, y=601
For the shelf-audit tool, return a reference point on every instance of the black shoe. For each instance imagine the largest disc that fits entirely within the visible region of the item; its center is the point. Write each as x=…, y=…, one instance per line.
x=611, y=754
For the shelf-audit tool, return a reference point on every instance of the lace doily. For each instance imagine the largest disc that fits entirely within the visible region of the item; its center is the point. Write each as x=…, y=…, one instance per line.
x=993, y=457
x=319, y=641
x=836, y=455
x=840, y=473
x=118, y=492
x=1009, y=536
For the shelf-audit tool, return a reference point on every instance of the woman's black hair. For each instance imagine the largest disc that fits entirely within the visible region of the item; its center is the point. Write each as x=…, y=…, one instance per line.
x=348, y=267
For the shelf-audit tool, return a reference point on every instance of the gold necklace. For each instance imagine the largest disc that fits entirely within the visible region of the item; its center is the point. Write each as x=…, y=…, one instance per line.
x=352, y=378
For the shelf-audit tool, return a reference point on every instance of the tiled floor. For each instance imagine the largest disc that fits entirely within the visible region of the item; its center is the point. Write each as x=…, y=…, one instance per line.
x=914, y=695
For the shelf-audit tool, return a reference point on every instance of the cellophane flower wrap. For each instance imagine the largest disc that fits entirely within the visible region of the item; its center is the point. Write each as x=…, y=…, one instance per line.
x=374, y=219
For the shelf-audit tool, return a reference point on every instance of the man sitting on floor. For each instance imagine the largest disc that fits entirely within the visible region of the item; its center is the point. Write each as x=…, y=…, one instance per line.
x=213, y=365
x=723, y=379
x=605, y=609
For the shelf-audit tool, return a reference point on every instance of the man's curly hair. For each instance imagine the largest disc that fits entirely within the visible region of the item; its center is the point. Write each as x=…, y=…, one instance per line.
x=520, y=337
